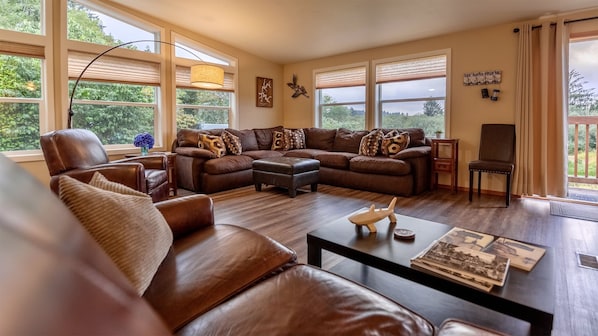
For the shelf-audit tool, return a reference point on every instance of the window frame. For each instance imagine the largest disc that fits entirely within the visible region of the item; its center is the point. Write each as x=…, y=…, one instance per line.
x=318, y=108
x=378, y=101
x=157, y=57
x=46, y=100
x=230, y=70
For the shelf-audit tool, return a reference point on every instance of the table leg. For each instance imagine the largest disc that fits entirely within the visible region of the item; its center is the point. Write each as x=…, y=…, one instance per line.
x=314, y=255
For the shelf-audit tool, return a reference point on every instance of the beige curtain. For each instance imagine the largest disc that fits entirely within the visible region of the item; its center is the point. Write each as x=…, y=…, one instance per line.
x=541, y=111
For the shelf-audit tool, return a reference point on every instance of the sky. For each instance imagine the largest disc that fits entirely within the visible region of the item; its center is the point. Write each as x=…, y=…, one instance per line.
x=583, y=57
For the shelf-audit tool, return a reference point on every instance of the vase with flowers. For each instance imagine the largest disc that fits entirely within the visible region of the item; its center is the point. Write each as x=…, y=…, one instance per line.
x=145, y=141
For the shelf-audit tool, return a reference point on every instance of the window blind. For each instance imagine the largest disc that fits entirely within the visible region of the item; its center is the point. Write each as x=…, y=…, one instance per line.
x=420, y=68
x=341, y=78
x=183, y=80
x=113, y=69
x=19, y=49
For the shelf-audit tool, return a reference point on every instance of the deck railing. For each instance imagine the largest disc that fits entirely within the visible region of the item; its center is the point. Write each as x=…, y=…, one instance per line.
x=584, y=159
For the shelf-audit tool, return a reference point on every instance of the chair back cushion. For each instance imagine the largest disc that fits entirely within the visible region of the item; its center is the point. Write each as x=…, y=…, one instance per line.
x=69, y=149
x=497, y=143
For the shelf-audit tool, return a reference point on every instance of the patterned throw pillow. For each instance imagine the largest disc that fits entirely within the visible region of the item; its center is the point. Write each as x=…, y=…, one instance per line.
x=295, y=139
x=213, y=143
x=124, y=222
x=278, y=141
x=232, y=143
x=394, y=142
x=370, y=143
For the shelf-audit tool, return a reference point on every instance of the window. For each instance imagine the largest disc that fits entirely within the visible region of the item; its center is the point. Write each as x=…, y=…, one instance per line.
x=412, y=93
x=118, y=95
x=20, y=102
x=23, y=16
x=341, y=98
x=583, y=107
x=201, y=108
x=87, y=24
x=23, y=96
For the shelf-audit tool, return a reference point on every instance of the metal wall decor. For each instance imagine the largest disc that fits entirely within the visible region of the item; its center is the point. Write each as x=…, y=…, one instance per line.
x=482, y=77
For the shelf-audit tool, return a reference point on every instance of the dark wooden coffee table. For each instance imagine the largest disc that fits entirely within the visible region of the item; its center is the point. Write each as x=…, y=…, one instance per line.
x=528, y=296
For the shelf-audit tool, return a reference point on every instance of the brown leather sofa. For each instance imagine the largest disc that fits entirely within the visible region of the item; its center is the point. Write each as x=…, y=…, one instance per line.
x=79, y=154
x=216, y=279
x=337, y=150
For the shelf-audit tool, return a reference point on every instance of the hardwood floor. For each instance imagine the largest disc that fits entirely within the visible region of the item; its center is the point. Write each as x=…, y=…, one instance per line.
x=288, y=220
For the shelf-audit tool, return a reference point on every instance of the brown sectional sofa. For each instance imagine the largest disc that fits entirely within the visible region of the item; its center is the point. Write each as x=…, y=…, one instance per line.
x=337, y=150
x=215, y=280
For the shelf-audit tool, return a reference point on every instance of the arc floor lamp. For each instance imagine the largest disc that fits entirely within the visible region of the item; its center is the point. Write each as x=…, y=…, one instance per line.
x=203, y=75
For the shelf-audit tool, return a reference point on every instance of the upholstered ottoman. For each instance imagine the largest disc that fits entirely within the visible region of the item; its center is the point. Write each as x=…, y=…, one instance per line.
x=288, y=172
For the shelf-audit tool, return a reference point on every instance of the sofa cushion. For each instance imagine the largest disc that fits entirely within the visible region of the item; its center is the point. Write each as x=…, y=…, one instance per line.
x=370, y=144
x=417, y=136
x=294, y=138
x=227, y=164
x=336, y=160
x=379, y=165
x=280, y=141
x=320, y=138
x=209, y=266
x=247, y=137
x=394, y=142
x=213, y=143
x=347, y=140
x=264, y=136
x=187, y=137
x=309, y=301
x=232, y=143
x=305, y=153
x=124, y=222
x=262, y=154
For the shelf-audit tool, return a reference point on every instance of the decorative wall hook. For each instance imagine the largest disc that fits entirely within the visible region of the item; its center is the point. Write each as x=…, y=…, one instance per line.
x=299, y=89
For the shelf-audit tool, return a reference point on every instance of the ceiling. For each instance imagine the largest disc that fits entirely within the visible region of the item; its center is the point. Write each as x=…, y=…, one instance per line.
x=288, y=31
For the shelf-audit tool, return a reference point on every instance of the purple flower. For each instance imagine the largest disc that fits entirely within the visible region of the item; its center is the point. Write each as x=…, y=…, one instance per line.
x=144, y=140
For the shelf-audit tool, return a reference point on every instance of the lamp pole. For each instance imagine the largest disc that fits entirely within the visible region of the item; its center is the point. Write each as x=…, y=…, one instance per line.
x=70, y=109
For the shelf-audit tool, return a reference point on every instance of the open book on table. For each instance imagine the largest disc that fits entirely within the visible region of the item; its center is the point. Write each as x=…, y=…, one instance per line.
x=477, y=259
x=522, y=255
x=475, y=268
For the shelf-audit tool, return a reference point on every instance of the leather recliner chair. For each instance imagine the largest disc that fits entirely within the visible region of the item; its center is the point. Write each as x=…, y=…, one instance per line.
x=79, y=153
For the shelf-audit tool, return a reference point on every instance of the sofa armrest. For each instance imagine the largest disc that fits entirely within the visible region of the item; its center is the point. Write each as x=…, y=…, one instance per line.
x=187, y=214
x=130, y=174
x=195, y=152
x=413, y=152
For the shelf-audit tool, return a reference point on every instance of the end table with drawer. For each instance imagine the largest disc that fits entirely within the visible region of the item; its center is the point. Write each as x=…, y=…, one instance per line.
x=445, y=159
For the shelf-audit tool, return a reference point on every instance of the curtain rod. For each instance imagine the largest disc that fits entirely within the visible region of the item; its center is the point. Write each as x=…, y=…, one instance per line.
x=516, y=30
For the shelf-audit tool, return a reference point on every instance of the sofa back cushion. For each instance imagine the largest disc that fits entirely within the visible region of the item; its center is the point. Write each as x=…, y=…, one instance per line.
x=247, y=137
x=347, y=140
x=417, y=137
x=189, y=137
x=320, y=138
x=264, y=136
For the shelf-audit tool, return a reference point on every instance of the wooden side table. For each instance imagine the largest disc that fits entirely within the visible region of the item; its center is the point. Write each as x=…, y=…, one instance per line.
x=445, y=159
x=170, y=168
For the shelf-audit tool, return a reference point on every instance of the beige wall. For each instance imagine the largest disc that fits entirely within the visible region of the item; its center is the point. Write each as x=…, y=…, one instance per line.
x=492, y=48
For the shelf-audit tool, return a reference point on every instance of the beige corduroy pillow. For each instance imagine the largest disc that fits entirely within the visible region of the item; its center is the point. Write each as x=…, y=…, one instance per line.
x=124, y=222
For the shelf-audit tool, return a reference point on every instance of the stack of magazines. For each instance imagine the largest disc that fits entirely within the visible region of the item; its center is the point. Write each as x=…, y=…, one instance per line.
x=477, y=259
